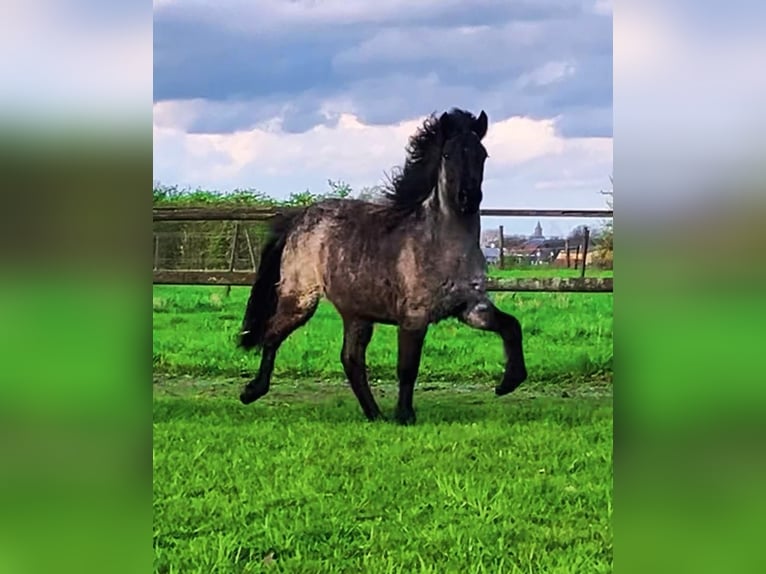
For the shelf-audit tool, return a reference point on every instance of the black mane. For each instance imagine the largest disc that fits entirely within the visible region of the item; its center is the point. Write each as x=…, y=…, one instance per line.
x=411, y=185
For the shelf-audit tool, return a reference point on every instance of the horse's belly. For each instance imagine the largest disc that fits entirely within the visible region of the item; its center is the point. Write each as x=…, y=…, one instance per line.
x=373, y=300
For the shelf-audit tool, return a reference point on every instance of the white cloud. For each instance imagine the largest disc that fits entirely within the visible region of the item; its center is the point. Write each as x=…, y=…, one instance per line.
x=336, y=151
x=479, y=44
x=518, y=140
x=527, y=158
x=267, y=14
x=548, y=73
x=404, y=59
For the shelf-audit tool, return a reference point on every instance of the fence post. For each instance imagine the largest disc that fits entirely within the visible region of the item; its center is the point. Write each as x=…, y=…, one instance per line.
x=502, y=249
x=577, y=256
x=156, y=250
x=585, y=239
x=566, y=246
x=250, y=248
x=233, y=255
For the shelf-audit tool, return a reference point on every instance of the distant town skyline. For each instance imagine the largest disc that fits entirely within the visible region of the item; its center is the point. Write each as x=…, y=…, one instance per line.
x=552, y=227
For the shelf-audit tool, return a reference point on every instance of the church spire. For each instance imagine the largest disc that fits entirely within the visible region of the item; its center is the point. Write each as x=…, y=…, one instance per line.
x=538, y=230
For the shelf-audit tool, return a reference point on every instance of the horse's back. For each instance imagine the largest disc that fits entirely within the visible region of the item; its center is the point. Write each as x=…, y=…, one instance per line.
x=347, y=251
x=360, y=266
x=336, y=249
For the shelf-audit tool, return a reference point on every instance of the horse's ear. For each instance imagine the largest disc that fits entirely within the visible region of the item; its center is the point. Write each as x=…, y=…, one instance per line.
x=480, y=125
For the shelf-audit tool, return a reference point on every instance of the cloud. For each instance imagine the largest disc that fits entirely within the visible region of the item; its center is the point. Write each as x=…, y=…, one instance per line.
x=482, y=49
x=330, y=151
x=548, y=73
x=276, y=16
x=524, y=151
x=395, y=97
x=284, y=95
x=390, y=60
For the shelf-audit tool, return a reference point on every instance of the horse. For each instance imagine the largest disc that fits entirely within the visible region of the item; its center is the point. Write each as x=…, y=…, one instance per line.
x=410, y=260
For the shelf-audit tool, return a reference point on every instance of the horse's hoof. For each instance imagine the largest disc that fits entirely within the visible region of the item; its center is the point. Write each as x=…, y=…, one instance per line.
x=251, y=394
x=509, y=385
x=405, y=418
x=505, y=389
x=376, y=417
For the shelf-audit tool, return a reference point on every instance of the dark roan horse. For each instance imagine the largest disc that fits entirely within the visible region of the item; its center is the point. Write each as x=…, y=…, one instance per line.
x=411, y=260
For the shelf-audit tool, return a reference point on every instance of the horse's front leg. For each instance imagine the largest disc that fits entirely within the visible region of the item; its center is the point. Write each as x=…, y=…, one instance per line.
x=485, y=316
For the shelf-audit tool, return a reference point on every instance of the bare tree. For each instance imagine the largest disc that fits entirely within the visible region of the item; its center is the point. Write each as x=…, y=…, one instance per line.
x=605, y=243
x=372, y=194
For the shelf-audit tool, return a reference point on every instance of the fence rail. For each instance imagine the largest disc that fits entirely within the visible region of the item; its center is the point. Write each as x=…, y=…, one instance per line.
x=260, y=213
x=231, y=277
x=213, y=213
x=522, y=284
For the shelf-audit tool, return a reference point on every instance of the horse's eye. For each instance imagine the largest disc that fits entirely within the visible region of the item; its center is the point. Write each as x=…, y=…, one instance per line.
x=445, y=155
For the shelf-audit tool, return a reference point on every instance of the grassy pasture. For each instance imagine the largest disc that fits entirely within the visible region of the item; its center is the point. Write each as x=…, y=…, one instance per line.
x=300, y=482
x=568, y=338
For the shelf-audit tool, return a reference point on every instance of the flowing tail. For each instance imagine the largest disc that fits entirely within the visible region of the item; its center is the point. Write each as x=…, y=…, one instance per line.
x=264, y=298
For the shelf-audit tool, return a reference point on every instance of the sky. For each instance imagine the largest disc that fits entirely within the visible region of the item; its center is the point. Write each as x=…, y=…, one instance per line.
x=282, y=95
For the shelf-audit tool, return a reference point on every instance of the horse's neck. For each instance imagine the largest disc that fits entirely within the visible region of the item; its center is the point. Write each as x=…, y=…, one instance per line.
x=451, y=249
x=450, y=226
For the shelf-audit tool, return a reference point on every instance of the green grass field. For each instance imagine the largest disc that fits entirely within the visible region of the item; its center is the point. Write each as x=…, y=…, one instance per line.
x=301, y=482
x=568, y=337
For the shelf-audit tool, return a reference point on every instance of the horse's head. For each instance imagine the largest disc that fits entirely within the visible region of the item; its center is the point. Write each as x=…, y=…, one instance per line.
x=446, y=156
x=461, y=171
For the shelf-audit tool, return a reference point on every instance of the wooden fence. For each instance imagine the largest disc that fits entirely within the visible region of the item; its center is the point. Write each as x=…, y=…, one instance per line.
x=231, y=277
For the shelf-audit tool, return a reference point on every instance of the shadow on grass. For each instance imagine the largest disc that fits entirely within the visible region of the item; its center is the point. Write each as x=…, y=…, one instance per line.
x=336, y=405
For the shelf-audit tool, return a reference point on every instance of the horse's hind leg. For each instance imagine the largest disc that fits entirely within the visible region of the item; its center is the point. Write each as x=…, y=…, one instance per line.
x=408, y=363
x=356, y=336
x=292, y=313
x=485, y=316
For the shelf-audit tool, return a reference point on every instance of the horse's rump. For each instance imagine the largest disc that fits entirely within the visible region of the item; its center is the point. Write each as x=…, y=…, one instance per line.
x=264, y=297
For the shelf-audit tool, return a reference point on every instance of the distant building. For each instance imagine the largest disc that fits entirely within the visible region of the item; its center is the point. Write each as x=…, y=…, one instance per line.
x=537, y=249
x=490, y=237
x=491, y=254
x=534, y=249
